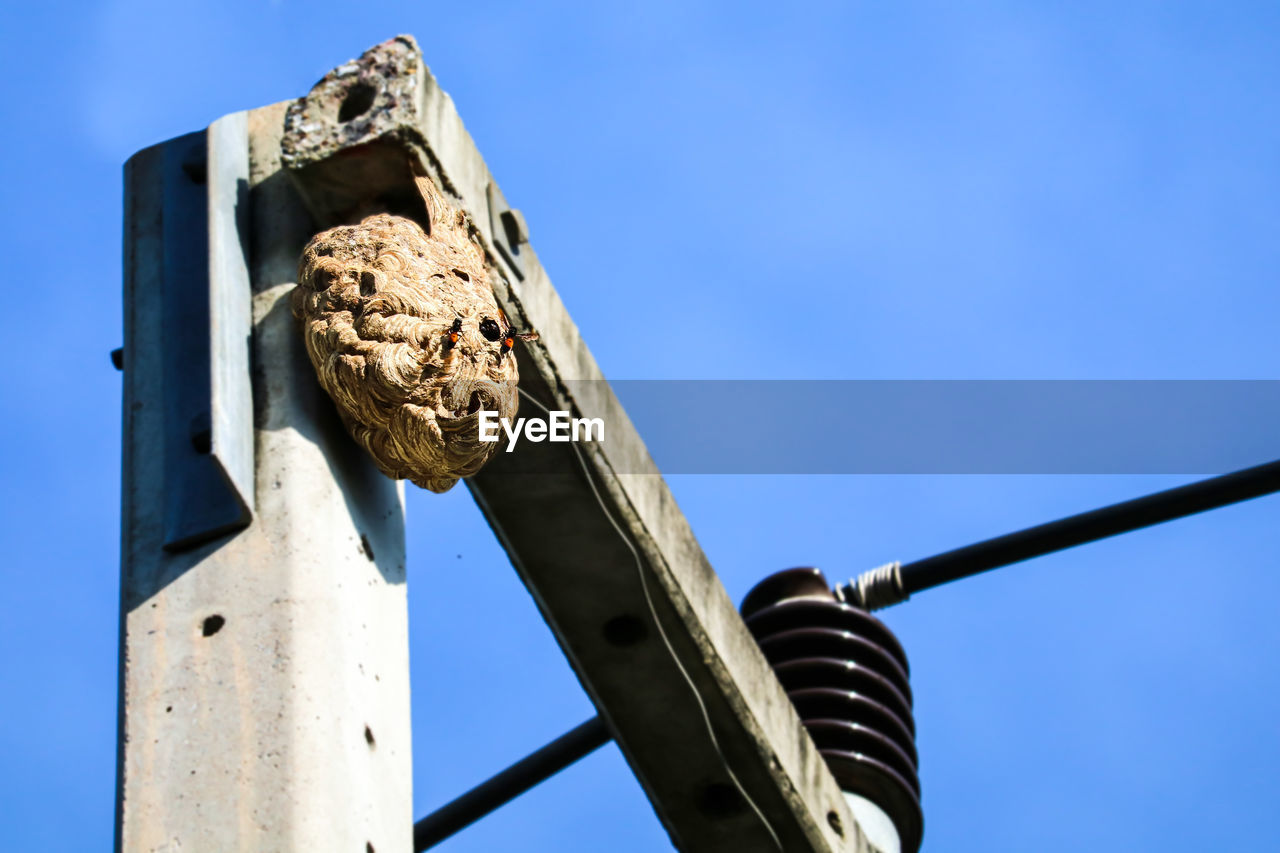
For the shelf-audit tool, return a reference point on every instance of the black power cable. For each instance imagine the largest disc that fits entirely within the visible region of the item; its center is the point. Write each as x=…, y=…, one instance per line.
x=510, y=783
x=894, y=583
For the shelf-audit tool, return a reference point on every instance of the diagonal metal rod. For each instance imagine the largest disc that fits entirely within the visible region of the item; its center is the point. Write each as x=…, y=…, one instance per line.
x=912, y=577
x=510, y=783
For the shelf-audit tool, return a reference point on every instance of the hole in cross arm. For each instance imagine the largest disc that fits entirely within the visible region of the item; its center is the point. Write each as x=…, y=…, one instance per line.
x=624, y=630
x=357, y=102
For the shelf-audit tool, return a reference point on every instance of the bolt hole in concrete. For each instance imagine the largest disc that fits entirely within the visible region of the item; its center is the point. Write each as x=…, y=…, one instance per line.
x=834, y=820
x=212, y=625
x=357, y=102
x=719, y=801
x=625, y=630
x=202, y=441
x=368, y=737
x=196, y=167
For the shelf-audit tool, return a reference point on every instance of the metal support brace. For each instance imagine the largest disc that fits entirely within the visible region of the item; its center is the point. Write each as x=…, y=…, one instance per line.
x=205, y=295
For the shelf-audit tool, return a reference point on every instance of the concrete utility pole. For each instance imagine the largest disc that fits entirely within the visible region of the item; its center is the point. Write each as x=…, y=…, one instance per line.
x=264, y=680
x=264, y=696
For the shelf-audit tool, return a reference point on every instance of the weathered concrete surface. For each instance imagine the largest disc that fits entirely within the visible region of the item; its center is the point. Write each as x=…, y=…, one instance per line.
x=264, y=699
x=694, y=725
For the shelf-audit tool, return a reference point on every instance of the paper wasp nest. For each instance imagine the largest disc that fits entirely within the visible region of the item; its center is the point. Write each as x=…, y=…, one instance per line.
x=405, y=334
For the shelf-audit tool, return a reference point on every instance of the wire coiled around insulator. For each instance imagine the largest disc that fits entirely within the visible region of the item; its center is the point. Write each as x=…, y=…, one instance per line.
x=875, y=588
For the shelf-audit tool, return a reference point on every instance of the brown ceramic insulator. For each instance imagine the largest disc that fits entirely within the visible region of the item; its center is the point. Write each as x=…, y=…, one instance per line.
x=849, y=680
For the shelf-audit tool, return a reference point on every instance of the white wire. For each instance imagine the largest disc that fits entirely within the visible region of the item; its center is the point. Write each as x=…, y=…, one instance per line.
x=653, y=612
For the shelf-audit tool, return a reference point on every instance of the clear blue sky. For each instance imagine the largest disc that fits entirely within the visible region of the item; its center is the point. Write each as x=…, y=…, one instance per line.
x=983, y=190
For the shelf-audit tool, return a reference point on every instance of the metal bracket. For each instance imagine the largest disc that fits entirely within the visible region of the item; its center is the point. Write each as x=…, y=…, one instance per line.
x=508, y=228
x=208, y=396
